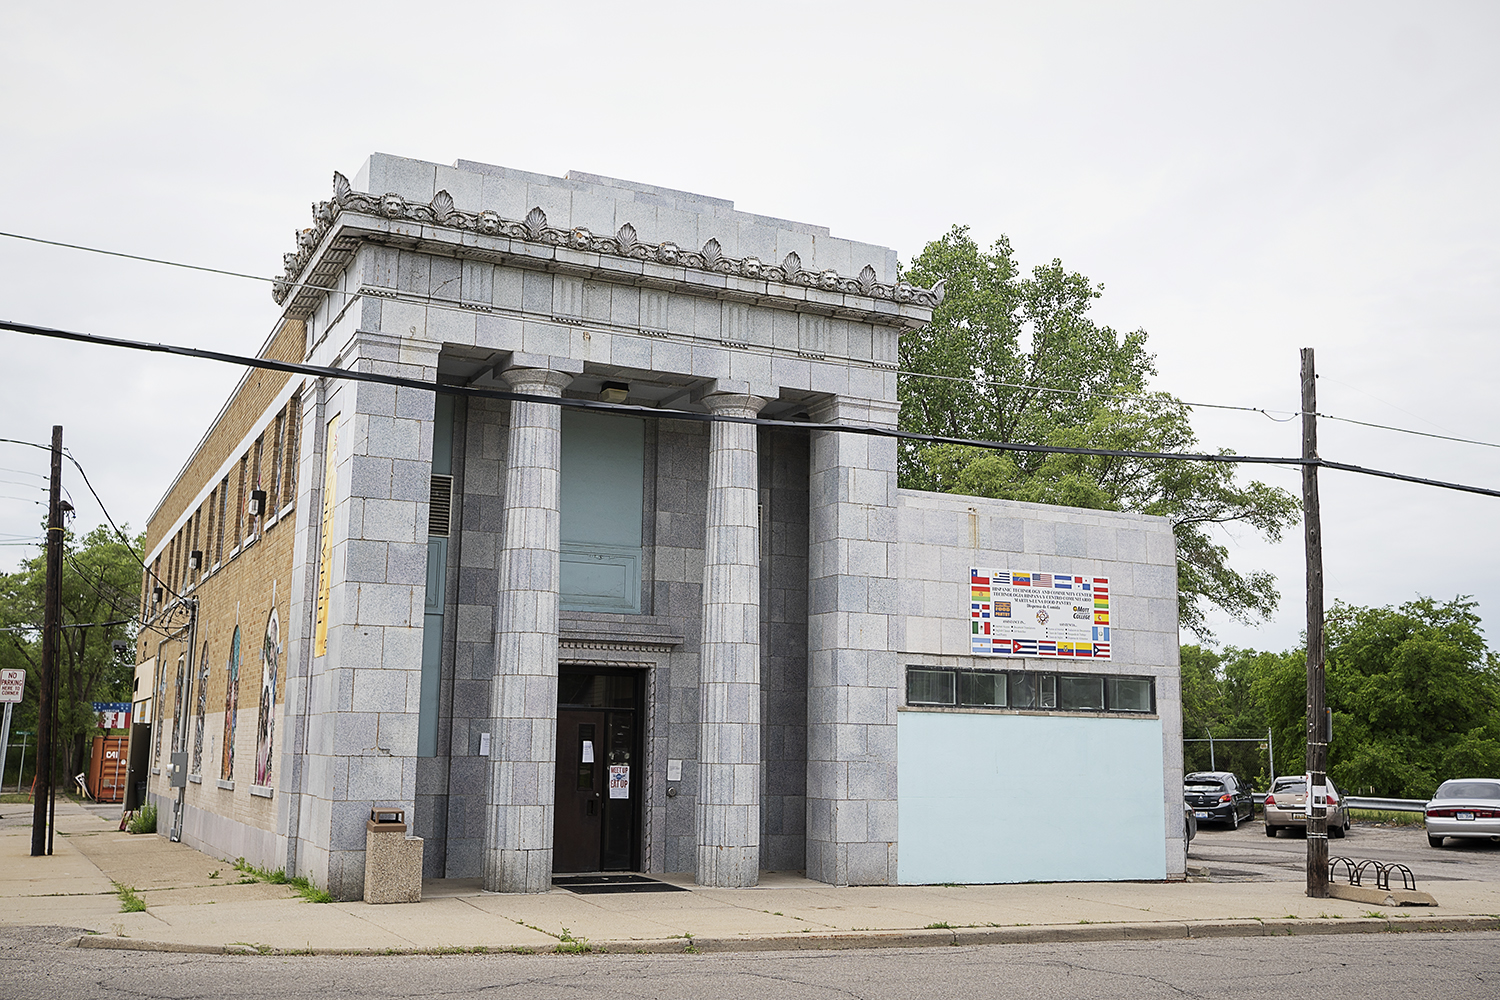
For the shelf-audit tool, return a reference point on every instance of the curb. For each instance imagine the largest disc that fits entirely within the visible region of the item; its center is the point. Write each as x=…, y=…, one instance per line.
x=922, y=938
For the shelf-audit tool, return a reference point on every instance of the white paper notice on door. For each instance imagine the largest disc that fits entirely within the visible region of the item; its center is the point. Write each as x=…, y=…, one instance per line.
x=619, y=781
x=588, y=751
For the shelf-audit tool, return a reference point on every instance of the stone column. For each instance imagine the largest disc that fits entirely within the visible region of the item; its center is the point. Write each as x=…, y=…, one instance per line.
x=854, y=630
x=523, y=700
x=728, y=805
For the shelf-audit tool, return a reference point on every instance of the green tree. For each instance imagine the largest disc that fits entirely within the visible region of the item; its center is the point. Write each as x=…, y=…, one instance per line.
x=1018, y=359
x=100, y=589
x=1414, y=691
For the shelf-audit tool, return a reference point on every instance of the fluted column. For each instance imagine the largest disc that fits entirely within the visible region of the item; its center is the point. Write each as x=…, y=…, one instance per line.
x=728, y=804
x=523, y=700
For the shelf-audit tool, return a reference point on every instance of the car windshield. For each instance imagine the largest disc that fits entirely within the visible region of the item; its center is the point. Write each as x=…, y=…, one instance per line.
x=1199, y=785
x=1469, y=790
x=1292, y=785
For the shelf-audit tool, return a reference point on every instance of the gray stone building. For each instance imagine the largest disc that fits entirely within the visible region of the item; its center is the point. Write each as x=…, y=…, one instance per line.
x=673, y=638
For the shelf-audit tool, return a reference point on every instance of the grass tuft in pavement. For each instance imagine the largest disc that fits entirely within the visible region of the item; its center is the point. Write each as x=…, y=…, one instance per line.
x=129, y=901
x=300, y=884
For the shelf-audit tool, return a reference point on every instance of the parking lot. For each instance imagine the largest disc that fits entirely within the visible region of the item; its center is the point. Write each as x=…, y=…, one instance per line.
x=1248, y=855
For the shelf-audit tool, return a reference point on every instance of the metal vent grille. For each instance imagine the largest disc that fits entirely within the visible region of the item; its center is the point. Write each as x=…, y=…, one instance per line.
x=440, y=518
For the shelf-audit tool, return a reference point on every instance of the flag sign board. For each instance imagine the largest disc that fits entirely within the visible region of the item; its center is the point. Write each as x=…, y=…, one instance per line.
x=113, y=714
x=12, y=685
x=1015, y=613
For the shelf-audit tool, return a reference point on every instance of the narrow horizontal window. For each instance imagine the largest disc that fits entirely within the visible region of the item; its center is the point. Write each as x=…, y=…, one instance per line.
x=981, y=690
x=1081, y=693
x=929, y=687
x=1128, y=694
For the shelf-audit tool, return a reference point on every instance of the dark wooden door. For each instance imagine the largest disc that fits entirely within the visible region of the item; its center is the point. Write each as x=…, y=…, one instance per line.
x=582, y=782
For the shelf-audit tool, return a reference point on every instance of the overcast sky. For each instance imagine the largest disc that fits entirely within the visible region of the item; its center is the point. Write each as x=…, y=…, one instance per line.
x=1245, y=179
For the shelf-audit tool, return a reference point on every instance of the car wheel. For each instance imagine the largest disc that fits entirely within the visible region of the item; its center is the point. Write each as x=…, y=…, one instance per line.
x=1434, y=841
x=1234, y=819
x=1270, y=830
x=1335, y=831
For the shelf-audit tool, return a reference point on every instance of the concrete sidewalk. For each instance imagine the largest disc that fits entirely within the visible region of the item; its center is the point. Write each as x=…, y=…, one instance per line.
x=198, y=903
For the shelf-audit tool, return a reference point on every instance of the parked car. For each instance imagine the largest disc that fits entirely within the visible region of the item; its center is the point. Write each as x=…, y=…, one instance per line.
x=1286, y=806
x=1218, y=797
x=1464, y=807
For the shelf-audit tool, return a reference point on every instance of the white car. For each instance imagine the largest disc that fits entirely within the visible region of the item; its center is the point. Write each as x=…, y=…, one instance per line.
x=1464, y=807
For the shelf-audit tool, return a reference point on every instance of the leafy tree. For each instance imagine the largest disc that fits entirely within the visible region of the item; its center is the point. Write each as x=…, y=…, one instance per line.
x=1018, y=359
x=1219, y=697
x=1414, y=691
x=100, y=589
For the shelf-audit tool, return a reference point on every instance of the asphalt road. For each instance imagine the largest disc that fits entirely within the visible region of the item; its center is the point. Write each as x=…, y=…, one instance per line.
x=1247, y=854
x=1413, y=966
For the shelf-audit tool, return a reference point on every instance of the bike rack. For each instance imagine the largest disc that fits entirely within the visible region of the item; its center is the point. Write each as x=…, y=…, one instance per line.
x=1354, y=872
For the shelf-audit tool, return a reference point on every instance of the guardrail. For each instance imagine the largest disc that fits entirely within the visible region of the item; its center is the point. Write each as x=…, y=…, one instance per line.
x=1369, y=802
x=1389, y=805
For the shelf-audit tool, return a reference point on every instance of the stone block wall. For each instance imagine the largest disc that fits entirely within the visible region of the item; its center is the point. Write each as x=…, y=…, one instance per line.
x=942, y=536
x=783, y=609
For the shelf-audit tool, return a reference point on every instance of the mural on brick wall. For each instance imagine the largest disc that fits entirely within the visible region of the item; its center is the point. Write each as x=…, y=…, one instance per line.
x=265, y=730
x=159, y=712
x=231, y=706
x=179, y=705
x=202, y=708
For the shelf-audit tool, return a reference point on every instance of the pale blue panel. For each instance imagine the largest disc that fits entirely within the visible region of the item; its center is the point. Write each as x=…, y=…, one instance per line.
x=603, y=478
x=1021, y=798
x=600, y=578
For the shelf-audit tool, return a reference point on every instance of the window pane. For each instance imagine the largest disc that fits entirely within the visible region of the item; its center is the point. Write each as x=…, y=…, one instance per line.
x=1082, y=693
x=929, y=687
x=1046, y=690
x=1023, y=690
x=982, y=690
x=1128, y=694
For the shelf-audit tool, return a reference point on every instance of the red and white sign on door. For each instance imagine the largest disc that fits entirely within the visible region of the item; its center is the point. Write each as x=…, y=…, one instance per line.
x=12, y=685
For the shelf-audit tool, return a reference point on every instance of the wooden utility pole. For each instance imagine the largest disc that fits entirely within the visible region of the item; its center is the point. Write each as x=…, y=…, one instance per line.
x=1317, y=745
x=46, y=709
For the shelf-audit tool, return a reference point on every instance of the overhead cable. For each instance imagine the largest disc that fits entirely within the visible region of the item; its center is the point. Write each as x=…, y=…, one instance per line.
x=319, y=371
x=1264, y=411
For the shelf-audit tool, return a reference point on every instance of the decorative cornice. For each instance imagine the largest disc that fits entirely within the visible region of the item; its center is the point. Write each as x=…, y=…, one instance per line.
x=534, y=229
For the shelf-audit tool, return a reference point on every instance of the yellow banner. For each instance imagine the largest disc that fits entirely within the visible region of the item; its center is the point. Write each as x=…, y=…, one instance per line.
x=325, y=553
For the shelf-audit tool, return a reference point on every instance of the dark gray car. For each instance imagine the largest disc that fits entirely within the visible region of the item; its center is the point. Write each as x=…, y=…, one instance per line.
x=1218, y=797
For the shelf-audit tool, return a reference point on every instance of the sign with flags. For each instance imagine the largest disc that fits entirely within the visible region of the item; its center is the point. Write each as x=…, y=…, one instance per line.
x=1025, y=613
x=113, y=714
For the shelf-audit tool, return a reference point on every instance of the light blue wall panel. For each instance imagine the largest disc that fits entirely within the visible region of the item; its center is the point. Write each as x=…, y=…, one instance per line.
x=603, y=481
x=1020, y=798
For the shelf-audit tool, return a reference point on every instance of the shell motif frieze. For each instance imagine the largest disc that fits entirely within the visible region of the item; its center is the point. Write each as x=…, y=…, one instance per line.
x=624, y=243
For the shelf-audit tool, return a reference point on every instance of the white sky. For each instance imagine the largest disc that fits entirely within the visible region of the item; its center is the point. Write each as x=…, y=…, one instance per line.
x=1246, y=180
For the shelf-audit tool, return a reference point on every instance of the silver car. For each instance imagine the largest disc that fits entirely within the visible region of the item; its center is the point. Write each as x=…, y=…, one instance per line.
x=1286, y=807
x=1464, y=807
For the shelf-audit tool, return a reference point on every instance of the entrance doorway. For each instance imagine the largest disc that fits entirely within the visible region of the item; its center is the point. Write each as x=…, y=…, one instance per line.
x=599, y=770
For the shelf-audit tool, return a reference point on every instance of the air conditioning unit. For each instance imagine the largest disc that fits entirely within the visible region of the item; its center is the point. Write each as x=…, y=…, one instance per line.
x=257, y=505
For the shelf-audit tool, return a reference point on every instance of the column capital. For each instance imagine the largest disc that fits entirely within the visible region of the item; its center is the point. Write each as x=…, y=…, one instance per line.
x=537, y=381
x=733, y=404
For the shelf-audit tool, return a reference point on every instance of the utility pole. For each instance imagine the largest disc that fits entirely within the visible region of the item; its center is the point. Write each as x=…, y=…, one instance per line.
x=42, y=809
x=1317, y=746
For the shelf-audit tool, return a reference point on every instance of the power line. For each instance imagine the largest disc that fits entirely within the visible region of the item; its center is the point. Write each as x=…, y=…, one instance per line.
x=319, y=371
x=118, y=533
x=1407, y=430
x=145, y=260
x=1269, y=413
